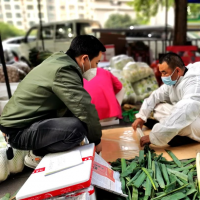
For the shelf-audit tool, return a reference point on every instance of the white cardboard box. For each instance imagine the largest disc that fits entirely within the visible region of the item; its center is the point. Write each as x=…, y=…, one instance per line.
x=38, y=186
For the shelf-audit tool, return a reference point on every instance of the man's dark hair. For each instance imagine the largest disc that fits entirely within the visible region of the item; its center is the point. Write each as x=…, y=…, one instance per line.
x=86, y=44
x=173, y=60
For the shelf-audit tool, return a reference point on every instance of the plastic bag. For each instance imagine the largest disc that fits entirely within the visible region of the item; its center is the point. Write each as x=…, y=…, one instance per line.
x=15, y=165
x=118, y=62
x=131, y=72
x=135, y=71
x=145, y=87
x=129, y=97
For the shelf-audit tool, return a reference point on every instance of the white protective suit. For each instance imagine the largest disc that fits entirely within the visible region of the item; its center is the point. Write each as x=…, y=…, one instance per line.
x=184, y=113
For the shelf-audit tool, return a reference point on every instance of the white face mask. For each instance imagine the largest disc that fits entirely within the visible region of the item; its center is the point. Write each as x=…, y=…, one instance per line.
x=90, y=73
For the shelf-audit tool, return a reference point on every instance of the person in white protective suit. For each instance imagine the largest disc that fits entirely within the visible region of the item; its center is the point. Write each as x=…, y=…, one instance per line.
x=176, y=104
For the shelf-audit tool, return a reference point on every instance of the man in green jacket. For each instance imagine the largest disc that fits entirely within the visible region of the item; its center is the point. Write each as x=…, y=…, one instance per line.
x=50, y=111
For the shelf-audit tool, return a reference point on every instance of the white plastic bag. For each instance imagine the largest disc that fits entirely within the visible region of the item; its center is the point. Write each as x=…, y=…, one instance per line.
x=15, y=165
x=129, y=97
x=118, y=62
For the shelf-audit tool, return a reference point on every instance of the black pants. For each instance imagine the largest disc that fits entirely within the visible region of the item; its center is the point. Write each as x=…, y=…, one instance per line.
x=177, y=140
x=49, y=136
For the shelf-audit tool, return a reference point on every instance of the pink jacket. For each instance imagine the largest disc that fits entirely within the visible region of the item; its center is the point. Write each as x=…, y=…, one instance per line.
x=102, y=89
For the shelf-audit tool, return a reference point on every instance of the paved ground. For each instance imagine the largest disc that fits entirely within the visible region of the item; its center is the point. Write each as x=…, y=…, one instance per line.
x=14, y=182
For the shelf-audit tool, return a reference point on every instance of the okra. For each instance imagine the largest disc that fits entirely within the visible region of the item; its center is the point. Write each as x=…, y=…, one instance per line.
x=149, y=177
x=117, y=168
x=129, y=169
x=149, y=184
x=134, y=193
x=154, y=169
x=159, y=176
x=179, y=181
x=159, y=157
x=170, y=187
x=141, y=156
x=194, y=196
x=165, y=173
x=184, y=168
x=189, y=161
x=123, y=164
x=159, y=193
x=190, y=178
x=149, y=160
x=159, y=197
x=177, y=196
x=138, y=182
x=194, y=173
x=172, y=178
x=178, y=174
x=185, y=171
x=123, y=183
x=129, y=193
x=175, y=159
x=134, y=178
x=191, y=191
x=171, y=166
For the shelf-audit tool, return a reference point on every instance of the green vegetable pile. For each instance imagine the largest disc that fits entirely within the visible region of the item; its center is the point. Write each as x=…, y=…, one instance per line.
x=151, y=176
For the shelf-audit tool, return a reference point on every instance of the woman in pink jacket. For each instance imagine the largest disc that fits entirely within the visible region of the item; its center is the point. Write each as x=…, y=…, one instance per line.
x=103, y=87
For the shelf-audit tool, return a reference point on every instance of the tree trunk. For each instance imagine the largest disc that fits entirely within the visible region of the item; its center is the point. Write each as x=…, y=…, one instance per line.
x=180, y=25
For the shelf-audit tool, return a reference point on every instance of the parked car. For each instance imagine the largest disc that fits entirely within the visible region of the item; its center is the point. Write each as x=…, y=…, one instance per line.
x=57, y=36
x=13, y=44
x=8, y=56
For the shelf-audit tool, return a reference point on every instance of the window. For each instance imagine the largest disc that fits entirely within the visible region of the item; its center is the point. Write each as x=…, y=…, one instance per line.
x=32, y=34
x=86, y=28
x=64, y=31
x=81, y=16
x=51, y=16
x=50, y=7
x=7, y=0
x=80, y=0
x=10, y=22
x=47, y=32
x=71, y=7
x=81, y=8
x=62, y=7
x=7, y=7
x=17, y=7
x=30, y=7
x=31, y=23
x=9, y=15
x=18, y=15
x=19, y=23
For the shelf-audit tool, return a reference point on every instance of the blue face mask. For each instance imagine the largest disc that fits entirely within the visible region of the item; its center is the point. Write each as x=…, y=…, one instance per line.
x=168, y=81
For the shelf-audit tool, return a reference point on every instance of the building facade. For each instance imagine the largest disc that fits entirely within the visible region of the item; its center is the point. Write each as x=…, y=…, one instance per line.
x=24, y=13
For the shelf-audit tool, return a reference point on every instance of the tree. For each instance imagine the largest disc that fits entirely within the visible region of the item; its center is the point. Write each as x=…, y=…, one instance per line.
x=8, y=30
x=121, y=21
x=149, y=8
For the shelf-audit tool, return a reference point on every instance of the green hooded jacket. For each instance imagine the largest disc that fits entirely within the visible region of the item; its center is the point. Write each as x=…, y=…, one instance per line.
x=50, y=90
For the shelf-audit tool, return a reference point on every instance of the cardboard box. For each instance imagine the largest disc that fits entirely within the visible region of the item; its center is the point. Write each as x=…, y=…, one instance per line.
x=39, y=186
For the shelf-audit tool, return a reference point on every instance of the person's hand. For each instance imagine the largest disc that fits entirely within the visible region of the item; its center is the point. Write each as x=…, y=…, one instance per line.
x=138, y=123
x=144, y=140
x=99, y=148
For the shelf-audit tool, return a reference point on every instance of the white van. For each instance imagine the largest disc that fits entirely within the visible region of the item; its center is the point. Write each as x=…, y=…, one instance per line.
x=57, y=36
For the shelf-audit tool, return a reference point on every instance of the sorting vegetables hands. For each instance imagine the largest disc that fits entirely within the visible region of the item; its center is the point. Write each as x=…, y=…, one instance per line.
x=151, y=176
